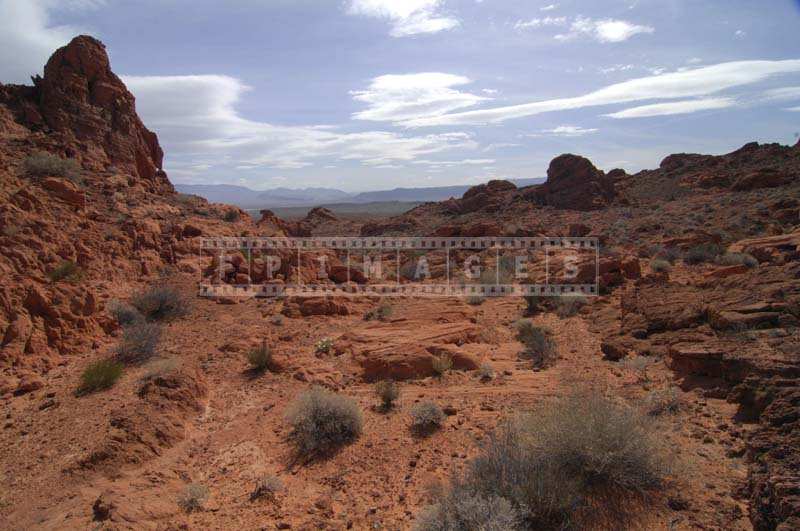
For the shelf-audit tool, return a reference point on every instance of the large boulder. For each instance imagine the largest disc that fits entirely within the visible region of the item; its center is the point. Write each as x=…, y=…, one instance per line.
x=574, y=183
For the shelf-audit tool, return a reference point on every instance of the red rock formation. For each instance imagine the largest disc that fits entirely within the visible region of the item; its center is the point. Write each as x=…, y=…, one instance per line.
x=89, y=114
x=574, y=183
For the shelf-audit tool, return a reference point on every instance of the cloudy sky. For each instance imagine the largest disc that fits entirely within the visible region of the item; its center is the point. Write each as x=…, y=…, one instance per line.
x=374, y=94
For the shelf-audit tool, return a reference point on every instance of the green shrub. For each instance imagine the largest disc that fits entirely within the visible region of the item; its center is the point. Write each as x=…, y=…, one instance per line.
x=702, y=253
x=670, y=254
x=381, y=313
x=268, y=487
x=43, y=164
x=660, y=266
x=576, y=463
x=486, y=372
x=323, y=346
x=475, y=300
x=568, y=306
x=388, y=391
x=730, y=259
x=441, y=364
x=466, y=512
x=100, y=375
x=322, y=421
x=231, y=215
x=123, y=313
x=161, y=303
x=260, y=358
x=539, y=345
x=663, y=401
x=66, y=270
x=426, y=417
x=193, y=498
x=139, y=342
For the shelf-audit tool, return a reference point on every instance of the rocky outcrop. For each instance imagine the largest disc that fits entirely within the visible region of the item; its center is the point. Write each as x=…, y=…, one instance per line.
x=88, y=114
x=574, y=183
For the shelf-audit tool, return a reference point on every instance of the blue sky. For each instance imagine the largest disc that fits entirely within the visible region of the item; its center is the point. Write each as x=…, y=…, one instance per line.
x=374, y=94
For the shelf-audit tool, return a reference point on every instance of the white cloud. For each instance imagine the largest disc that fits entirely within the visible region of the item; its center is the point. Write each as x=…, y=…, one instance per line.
x=564, y=131
x=548, y=7
x=490, y=92
x=794, y=109
x=616, y=68
x=603, y=30
x=195, y=118
x=783, y=94
x=694, y=60
x=28, y=38
x=740, y=34
x=676, y=107
x=394, y=98
x=540, y=22
x=409, y=17
x=467, y=162
x=685, y=84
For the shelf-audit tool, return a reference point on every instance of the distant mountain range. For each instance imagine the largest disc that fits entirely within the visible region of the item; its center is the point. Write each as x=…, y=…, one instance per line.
x=304, y=197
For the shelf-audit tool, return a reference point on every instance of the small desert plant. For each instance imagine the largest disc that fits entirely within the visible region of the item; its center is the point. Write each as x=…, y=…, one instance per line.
x=322, y=421
x=660, y=266
x=139, y=342
x=193, y=498
x=276, y=320
x=486, y=372
x=534, y=304
x=575, y=463
x=441, y=364
x=260, y=358
x=426, y=417
x=639, y=365
x=569, y=305
x=730, y=259
x=701, y=254
x=268, y=487
x=323, y=346
x=160, y=368
x=464, y=511
x=475, y=300
x=161, y=303
x=539, y=345
x=124, y=313
x=100, y=375
x=231, y=215
x=662, y=401
x=388, y=391
x=66, y=270
x=381, y=313
x=43, y=164
x=670, y=254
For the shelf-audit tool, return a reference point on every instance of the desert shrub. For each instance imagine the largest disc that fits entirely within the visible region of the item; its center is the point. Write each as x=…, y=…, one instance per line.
x=322, y=421
x=441, y=364
x=193, y=498
x=486, y=372
x=534, y=304
x=139, y=342
x=160, y=368
x=670, y=254
x=475, y=300
x=260, y=358
x=323, y=346
x=539, y=345
x=43, y=164
x=231, y=216
x=66, y=270
x=660, y=266
x=576, y=463
x=569, y=305
x=467, y=512
x=388, y=391
x=124, y=313
x=426, y=417
x=276, y=320
x=639, y=365
x=730, y=259
x=662, y=401
x=702, y=253
x=100, y=375
x=381, y=313
x=267, y=486
x=161, y=302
